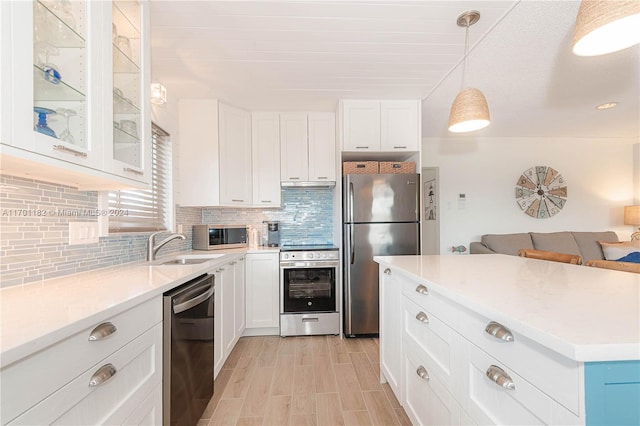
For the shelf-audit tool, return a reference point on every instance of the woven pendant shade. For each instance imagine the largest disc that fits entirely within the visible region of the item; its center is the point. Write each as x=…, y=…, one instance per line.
x=605, y=26
x=469, y=112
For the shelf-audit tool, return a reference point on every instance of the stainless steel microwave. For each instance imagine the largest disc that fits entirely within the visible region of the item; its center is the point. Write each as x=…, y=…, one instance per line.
x=218, y=237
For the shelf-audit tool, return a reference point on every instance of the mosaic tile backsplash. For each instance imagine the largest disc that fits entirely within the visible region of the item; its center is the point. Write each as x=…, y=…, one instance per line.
x=34, y=248
x=306, y=216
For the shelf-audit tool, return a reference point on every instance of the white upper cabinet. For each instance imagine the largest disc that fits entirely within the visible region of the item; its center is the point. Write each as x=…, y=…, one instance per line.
x=322, y=146
x=265, y=151
x=308, y=144
x=294, y=147
x=235, y=156
x=128, y=150
x=380, y=126
x=57, y=86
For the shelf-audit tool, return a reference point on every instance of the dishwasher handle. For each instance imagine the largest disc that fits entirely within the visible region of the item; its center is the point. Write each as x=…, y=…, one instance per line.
x=197, y=299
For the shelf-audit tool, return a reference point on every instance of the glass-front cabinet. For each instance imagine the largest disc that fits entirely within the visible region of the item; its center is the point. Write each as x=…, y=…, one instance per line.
x=131, y=137
x=79, y=89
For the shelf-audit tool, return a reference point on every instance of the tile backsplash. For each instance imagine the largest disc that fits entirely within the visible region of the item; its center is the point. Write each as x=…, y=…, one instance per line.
x=306, y=216
x=34, y=233
x=35, y=216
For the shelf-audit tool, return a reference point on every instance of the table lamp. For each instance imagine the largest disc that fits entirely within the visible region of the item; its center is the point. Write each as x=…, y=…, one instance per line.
x=632, y=217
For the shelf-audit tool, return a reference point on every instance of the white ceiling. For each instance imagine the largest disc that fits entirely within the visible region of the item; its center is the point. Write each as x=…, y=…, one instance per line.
x=306, y=55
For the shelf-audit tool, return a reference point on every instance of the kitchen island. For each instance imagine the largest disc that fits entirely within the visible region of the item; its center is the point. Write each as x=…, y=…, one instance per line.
x=498, y=339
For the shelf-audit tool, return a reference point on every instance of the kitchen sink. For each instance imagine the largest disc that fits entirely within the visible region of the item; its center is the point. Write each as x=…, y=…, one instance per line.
x=193, y=259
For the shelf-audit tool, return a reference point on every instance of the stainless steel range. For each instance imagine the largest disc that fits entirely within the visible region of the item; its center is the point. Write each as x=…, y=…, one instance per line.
x=308, y=290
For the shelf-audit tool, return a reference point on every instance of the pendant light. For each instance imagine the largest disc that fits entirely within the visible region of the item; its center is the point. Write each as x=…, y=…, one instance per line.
x=605, y=26
x=469, y=111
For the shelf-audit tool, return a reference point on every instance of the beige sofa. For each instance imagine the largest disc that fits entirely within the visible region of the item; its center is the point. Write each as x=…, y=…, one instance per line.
x=584, y=244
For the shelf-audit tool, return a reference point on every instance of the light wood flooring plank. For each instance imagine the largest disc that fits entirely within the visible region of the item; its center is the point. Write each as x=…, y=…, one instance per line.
x=287, y=346
x=323, y=373
x=282, y=382
x=253, y=348
x=402, y=417
x=269, y=352
x=303, y=419
x=236, y=353
x=365, y=372
x=380, y=409
x=303, y=400
x=338, y=350
x=240, y=379
x=219, y=385
x=353, y=344
x=227, y=412
x=357, y=418
x=249, y=421
x=349, y=388
x=255, y=402
x=328, y=409
x=371, y=349
x=278, y=410
x=392, y=397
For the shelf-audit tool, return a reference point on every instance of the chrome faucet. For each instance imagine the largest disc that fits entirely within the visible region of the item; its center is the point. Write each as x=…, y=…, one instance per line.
x=152, y=247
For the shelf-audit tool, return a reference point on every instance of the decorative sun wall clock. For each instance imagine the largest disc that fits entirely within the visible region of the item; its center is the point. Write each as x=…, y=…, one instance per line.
x=541, y=192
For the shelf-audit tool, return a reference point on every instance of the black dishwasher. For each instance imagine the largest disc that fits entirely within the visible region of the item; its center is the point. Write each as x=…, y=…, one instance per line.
x=188, y=351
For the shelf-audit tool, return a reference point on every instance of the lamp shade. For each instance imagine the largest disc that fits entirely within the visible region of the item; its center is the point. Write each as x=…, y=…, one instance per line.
x=632, y=215
x=605, y=26
x=469, y=112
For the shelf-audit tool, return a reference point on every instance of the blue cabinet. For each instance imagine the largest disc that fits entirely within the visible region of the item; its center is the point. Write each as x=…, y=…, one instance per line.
x=612, y=393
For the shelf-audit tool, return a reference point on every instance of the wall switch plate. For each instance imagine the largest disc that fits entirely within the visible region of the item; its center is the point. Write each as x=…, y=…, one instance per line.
x=83, y=233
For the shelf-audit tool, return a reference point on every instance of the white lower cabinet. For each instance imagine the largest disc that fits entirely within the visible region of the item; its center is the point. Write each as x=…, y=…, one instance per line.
x=121, y=386
x=229, y=302
x=263, y=283
x=390, y=323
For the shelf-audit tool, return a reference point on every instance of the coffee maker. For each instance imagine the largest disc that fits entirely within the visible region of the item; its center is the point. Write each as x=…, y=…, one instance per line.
x=273, y=233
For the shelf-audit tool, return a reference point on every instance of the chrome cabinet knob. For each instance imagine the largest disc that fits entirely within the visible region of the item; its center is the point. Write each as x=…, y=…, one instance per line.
x=387, y=271
x=499, y=331
x=422, y=317
x=422, y=373
x=500, y=377
x=422, y=289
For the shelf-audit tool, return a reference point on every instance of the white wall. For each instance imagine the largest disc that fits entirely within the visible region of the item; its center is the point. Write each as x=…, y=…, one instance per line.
x=599, y=174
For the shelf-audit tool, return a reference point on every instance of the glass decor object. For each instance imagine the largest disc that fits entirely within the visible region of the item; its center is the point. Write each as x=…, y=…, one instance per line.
x=66, y=133
x=41, y=126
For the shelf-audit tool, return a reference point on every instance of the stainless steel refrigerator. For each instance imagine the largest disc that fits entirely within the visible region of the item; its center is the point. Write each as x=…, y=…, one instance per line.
x=381, y=215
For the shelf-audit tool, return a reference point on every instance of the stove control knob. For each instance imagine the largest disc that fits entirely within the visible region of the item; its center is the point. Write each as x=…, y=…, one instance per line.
x=324, y=255
x=285, y=256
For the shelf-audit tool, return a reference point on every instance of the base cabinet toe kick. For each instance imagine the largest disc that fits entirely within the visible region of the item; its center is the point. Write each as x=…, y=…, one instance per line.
x=449, y=365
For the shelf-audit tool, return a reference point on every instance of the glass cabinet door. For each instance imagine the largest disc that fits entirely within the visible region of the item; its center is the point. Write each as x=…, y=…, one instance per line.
x=129, y=90
x=61, y=78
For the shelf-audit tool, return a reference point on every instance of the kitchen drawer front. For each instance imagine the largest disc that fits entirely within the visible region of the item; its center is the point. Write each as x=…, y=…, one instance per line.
x=150, y=411
x=557, y=376
x=490, y=403
x=137, y=373
x=426, y=331
x=426, y=398
x=425, y=298
x=57, y=365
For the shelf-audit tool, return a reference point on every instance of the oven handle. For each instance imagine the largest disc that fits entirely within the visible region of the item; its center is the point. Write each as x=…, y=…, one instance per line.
x=312, y=264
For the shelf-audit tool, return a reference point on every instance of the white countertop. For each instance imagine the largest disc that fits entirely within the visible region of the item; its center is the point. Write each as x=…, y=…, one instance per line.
x=36, y=315
x=585, y=314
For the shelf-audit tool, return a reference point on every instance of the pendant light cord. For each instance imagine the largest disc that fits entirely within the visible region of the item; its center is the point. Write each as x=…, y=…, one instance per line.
x=466, y=54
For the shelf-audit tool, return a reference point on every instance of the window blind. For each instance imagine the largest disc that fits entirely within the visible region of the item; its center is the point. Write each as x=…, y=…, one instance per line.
x=145, y=210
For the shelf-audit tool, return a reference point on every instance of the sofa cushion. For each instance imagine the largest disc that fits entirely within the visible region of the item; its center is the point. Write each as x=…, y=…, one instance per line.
x=562, y=242
x=507, y=243
x=589, y=245
x=622, y=251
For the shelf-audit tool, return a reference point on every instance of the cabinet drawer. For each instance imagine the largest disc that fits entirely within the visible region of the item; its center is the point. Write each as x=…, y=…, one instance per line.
x=426, y=399
x=57, y=365
x=426, y=331
x=557, y=376
x=137, y=373
x=490, y=403
x=421, y=295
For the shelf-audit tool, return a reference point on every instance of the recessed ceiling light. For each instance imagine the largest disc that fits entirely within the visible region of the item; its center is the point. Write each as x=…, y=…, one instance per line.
x=607, y=105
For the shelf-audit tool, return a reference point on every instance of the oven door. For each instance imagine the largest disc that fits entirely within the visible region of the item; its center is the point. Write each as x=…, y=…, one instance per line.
x=308, y=288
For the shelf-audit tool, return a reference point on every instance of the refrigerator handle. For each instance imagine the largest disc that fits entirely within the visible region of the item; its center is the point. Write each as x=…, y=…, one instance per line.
x=350, y=220
x=352, y=247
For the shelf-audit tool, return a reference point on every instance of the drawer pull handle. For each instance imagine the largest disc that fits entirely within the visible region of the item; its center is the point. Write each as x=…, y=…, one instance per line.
x=103, y=374
x=387, y=271
x=422, y=289
x=499, y=331
x=502, y=379
x=314, y=319
x=131, y=170
x=101, y=331
x=422, y=317
x=422, y=373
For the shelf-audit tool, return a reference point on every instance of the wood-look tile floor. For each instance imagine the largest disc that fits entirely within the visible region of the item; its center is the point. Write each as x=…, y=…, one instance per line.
x=311, y=380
